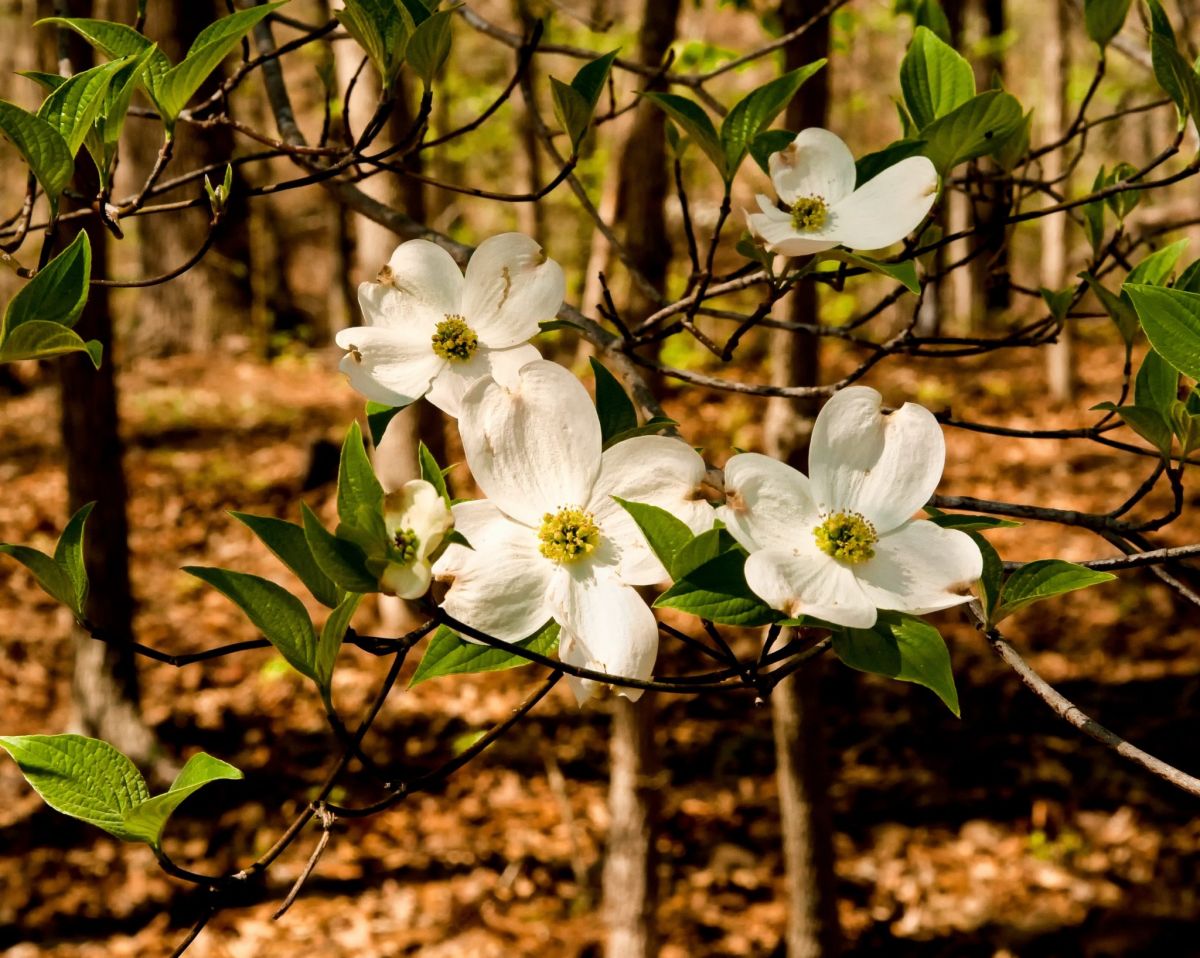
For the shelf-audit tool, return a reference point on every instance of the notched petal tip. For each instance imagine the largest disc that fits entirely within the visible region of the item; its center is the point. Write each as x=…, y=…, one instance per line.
x=385, y=277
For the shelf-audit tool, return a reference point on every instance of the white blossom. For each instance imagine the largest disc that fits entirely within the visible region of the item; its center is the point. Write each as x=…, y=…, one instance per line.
x=550, y=541
x=417, y=521
x=431, y=331
x=841, y=543
x=814, y=178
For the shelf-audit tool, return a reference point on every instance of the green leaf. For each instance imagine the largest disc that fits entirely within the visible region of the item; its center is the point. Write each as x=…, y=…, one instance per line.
x=575, y=103
x=694, y=123
x=1189, y=279
x=53, y=580
x=1156, y=268
x=1043, y=579
x=429, y=46
x=431, y=472
x=333, y=632
x=1151, y=424
x=450, y=654
x=211, y=46
x=1015, y=146
x=757, y=110
x=1122, y=203
x=934, y=78
x=58, y=291
x=379, y=416
x=146, y=821
x=614, y=407
x=84, y=778
x=872, y=164
x=359, y=494
x=276, y=613
x=1058, y=301
x=1117, y=307
x=68, y=556
x=768, y=142
x=343, y=561
x=42, y=146
x=904, y=272
x=40, y=340
x=991, y=579
x=969, y=523
x=1171, y=69
x=703, y=549
x=1093, y=214
x=901, y=647
x=1104, y=19
x=664, y=533
x=382, y=28
x=977, y=128
x=74, y=106
x=592, y=76
x=1157, y=383
x=289, y=544
x=717, y=591
x=1171, y=320
x=116, y=40
x=652, y=427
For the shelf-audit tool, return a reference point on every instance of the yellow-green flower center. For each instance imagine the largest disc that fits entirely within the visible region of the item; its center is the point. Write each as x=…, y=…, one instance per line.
x=809, y=213
x=454, y=339
x=406, y=543
x=568, y=535
x=847, y=536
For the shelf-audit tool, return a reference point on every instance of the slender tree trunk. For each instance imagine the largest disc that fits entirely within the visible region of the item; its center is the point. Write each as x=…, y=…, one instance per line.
x=210, y=300
x=1056, y=66
x=630, y=868
x=105, y=683
x=801, y=764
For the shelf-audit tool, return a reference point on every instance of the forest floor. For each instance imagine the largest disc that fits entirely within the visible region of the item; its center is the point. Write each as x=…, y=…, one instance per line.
x=1005, y=833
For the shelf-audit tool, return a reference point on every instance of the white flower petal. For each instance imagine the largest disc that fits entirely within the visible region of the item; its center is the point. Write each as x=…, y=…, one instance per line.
x=808, y=582
x=920, y=568
x=609, y=628
x=421, y=275
x=511, y=286
x=535, y=447
x=385, y=307
x=418, y=506
x=500, y=586
x=409, y=581
x=658, y=470
x=767, y=503
x=780, y=237
x=887, y=208
x=816, y=163
x=386, y=365
x=884, y=467
x=506, y=363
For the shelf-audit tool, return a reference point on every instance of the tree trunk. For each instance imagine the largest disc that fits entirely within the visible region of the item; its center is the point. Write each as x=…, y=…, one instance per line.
x=801, y=765
x=630, y=879
x=1056, y=66
x=104, y=691
x=210, y=300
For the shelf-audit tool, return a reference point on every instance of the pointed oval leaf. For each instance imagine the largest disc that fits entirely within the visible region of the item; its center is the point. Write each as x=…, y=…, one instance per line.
x=1044, y=579
x=58, y=291
x=146, y=821
x=1171, y=320
x=450, y=654
x=934, y=78
x=694, y=122
x=289, y=544
x=901, y=647
x=757, y=110
x=42, y=146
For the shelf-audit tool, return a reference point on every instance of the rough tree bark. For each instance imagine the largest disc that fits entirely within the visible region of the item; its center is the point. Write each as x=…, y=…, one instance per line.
x=630, y=880
x=104, y=691
x=802, y=769
x=1056, y=67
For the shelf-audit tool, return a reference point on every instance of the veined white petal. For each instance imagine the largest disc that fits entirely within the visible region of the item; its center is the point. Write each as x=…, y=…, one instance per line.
x=887, y=208
x=511, y=286
x=500, y=585
x=505, y=364
x=420, y=277
x=884, y=467
x=386, y=307
x=781, y=237
x=608, y=628
x=447, y=390
x=920, y=567
x=386, y=365
x=816, y=163
x=535, y=447
x=805, y=581
x=658, y=470
x=767, y=502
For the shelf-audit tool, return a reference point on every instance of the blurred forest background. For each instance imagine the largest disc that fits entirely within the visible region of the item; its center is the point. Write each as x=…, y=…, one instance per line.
x=1000, y=834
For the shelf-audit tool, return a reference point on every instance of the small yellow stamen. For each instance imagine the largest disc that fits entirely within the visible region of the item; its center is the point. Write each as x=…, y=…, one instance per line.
x=454, y=339
x=809, y=213
x=847, y=536
x=406, y=543
x=568, y=535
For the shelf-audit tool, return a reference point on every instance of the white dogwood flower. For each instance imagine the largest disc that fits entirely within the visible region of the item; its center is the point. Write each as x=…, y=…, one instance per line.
x=417, y=521
x=843, y=543
x=431, y=331
x=814, y=178
x=550, y=541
